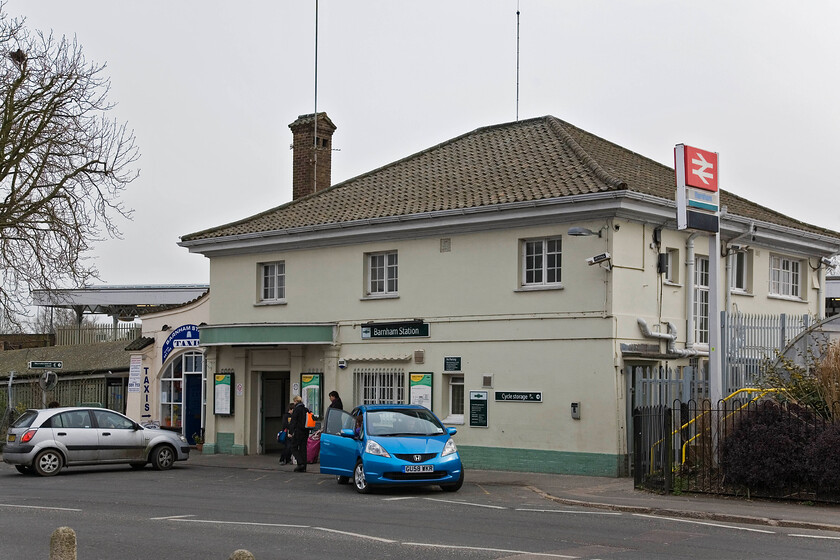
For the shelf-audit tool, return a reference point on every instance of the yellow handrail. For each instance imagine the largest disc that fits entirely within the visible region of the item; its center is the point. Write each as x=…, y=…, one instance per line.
x=687, y=424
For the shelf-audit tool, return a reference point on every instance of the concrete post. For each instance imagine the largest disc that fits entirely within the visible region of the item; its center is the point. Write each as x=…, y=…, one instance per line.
x=63, y=544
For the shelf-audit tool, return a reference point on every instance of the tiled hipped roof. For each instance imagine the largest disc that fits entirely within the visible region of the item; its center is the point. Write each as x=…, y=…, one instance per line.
x=528, y=160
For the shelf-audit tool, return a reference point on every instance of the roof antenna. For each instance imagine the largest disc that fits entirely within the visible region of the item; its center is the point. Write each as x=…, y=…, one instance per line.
x=517, y=60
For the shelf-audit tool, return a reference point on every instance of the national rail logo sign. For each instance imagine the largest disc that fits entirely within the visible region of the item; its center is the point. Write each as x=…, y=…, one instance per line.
x=698, y=200
x=701, y=169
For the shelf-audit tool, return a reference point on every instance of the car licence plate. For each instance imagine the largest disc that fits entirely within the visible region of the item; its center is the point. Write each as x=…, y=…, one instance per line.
x=11, y=438
x=418, y=468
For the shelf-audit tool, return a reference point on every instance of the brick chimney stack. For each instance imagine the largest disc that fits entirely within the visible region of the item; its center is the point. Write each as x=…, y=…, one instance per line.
x=312, y=156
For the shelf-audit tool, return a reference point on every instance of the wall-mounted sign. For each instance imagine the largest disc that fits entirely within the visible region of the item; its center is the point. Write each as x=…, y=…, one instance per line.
x=452, y=363
x=222, y=393
x=420, y=389
x=519, y=396
x=134, y=371
x=45, y=365
x=182, y=337
x=478, y=409
x=310, y=392
x=405, y=329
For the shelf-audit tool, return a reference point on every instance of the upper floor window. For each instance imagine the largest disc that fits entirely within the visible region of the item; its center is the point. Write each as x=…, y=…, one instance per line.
x=273, y=281
x=541, y=261
x=383, y=274
x=785, y=277
x=672, y=266
x=739, y=271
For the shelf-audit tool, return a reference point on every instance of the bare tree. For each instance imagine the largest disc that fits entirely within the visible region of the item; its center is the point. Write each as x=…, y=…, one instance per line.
x=63, y=164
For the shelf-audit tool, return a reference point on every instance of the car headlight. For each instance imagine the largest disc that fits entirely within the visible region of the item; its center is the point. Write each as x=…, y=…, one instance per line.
x=449, y=448
x=182, y=438
x=375, y=449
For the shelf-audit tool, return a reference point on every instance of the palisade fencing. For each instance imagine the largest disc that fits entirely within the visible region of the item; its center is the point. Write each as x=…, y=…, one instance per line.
x=662, y=385
x=27, y=393
x=72, y=336
x=748, y=340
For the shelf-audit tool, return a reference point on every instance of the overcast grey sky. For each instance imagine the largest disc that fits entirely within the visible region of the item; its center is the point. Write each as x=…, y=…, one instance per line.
x=210, y=87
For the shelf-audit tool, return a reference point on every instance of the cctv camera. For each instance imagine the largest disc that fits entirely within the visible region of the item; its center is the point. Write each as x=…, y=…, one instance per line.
x=598, y=259
x=825, y=261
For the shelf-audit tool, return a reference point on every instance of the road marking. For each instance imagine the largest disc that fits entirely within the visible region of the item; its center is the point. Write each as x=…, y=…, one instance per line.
x=39, y=507
x=239, y=523
x=357, y=535
x=170, y=517
x=483, y=489
x=570, y=511
x=453, y=547
x=816, y=537
x=399, y=498
x=464, y=503
x=706, y=523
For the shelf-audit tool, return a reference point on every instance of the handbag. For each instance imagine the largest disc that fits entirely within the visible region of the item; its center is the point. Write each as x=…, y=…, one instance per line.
x=310, y=420
x=281, y=436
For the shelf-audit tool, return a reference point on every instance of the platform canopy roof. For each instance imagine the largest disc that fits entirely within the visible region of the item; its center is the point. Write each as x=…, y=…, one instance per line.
x=125, y=302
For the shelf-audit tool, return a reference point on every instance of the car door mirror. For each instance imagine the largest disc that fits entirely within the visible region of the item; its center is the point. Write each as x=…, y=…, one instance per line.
x=347, y=432
x=451, y=431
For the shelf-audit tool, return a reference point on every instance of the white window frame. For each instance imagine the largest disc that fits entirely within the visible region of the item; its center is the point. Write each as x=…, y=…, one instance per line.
x=541, y=262
x=672, y=266
x=382, y=274
x=785, y=277
x=457, y=404
x=172, y=387
x=739, y=271
x=272, y=282
x=700, y=300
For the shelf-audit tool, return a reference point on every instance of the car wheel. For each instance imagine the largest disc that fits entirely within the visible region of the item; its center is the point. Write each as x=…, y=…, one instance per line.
x=24, y=469
x=163, y=457
x=456, y=486
x=137, y=466
x=48, y=462
x=341, y=479
x=359, y=481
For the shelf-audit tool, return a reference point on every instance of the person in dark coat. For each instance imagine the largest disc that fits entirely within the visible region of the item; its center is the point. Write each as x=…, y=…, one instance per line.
x=299, y=433
x=286, y=453
x=335, y=401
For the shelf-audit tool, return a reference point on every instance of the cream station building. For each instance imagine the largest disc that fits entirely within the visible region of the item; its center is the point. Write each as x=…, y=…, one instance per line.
x=505, y=278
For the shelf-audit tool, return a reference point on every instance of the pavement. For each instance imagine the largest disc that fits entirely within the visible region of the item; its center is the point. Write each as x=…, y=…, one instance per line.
x=614, y=494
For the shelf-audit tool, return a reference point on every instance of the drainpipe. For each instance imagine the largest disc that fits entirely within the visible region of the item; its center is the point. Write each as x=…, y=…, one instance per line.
x=671, y=338
x=689, y=291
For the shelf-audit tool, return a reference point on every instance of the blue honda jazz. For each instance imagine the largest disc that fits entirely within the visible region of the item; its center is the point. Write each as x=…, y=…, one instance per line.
x=390, y=445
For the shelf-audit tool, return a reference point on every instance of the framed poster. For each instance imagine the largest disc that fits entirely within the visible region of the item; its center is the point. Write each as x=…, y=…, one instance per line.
x=310, y=392
x=223, y=393
x=420, y=389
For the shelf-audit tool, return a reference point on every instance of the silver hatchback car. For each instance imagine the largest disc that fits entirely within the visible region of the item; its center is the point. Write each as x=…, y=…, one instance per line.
x=45, y=440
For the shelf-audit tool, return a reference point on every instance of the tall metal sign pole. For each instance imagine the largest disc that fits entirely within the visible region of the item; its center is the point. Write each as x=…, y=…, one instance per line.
x=698, y=209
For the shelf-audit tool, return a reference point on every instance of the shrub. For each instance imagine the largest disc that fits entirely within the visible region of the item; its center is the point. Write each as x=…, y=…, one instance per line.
x=823, y=459
x=766, y=448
